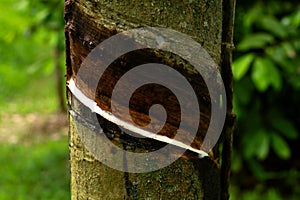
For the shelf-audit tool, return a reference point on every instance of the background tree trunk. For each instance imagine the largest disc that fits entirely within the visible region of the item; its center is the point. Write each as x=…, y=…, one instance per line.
x=90, y=22
x=59, y=75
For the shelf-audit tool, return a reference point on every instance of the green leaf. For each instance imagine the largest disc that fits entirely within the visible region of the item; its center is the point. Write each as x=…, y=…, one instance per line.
x=256, y=143
x=280, y=147
x=251, y=16
x=241, y=66
x=257, y=169
x=278, y=54
x=274, y=74
x=289, y=50
x=250, y=195
x=285, y=127
x=249, y=141
x=272, y=194
x=262, y=148
x=293, y=19
x=260, y=75
x=236, y=164
x=244, y=91
x=296, y=19
x=264, y=74
x=274, y=26
x=255, y=41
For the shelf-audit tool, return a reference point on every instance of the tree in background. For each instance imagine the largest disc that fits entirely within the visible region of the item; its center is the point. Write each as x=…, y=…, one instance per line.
x=48, y=15
x=33, y=32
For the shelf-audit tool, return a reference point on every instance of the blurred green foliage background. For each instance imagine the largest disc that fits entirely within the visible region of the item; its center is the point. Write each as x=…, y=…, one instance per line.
x=33, y=131
x=30, y=31
x=266, y=69
x=266, y=72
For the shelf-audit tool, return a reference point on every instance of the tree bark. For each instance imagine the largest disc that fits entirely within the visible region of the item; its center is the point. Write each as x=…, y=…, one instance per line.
x=88, y=23
x=227, y=48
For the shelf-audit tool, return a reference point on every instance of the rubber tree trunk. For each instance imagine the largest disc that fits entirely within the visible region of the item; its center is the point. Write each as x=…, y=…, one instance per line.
x=88, y=23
